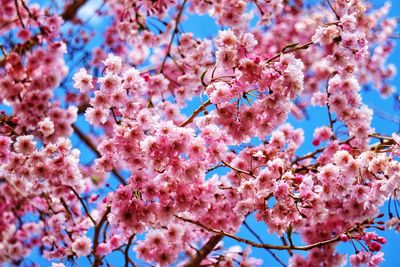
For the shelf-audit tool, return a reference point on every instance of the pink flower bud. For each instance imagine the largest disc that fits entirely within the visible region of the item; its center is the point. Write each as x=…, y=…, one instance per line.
x=381, y=240
x=344, y=237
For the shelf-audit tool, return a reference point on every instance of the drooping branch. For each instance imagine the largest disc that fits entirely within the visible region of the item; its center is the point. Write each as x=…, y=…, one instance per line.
x=83, y=205
x=19, y=14
x=268, y=246
x=290, y=49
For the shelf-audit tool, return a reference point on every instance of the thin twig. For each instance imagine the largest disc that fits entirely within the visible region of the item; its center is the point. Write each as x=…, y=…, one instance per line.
x=313, y=154
x=262, y=242
x=177, y=20
x=287, y=51
x=236, y=169
x=83, y=204
x=195, y=113
x=269, y=246
x=204, y=251
x=334, y=11
x=328, y=96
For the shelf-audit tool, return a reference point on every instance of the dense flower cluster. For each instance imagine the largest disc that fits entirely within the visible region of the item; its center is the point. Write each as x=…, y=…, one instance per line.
x=193, y=178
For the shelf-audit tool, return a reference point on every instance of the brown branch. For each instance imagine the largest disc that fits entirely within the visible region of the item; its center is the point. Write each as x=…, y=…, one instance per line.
x=22, y=48
x=284, y=242
x=333, y=10
x=93, y=147
x=84, y=205
x=97, y=260
x=204, y=251
x=268, y=246
x=237, y=170
x=287, y=51
x=71, y=9
x=86, y=140
x=195, y=113
x=126, y=253
x=19, y=191
x=313, y=154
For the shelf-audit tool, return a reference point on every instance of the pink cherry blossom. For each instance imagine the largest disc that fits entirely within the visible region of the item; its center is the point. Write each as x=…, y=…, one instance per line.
x=83, y=81
x=82, y=246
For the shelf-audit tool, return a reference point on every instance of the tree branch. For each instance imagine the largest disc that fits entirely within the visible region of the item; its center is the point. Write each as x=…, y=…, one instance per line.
x=204, y=251
x=313, y=154
x=84, y=205
x=177, y=20
x=71, y=9
x=268, y=246
x=126, y=253
x=328, y=95
x=195, y=113
x=287, y=51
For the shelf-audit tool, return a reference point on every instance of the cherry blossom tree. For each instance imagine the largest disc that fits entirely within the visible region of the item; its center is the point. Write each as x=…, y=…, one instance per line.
x=167, y=185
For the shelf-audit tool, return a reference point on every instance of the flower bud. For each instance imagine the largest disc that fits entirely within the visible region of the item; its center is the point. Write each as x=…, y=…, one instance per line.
x=344, y=237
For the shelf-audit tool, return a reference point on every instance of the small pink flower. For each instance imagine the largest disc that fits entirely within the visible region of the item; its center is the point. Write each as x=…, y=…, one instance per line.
x=113, y=63
x=82, y=246
x=249, y=41
x=319, y=99
x=110, y=82
x=323, y=133
x=376, y=259
x=83, y=81
x=25, y=144
x=226, y=38
x=97, y=116
x=24, y=34
x=103, y=249
x=46, y=127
